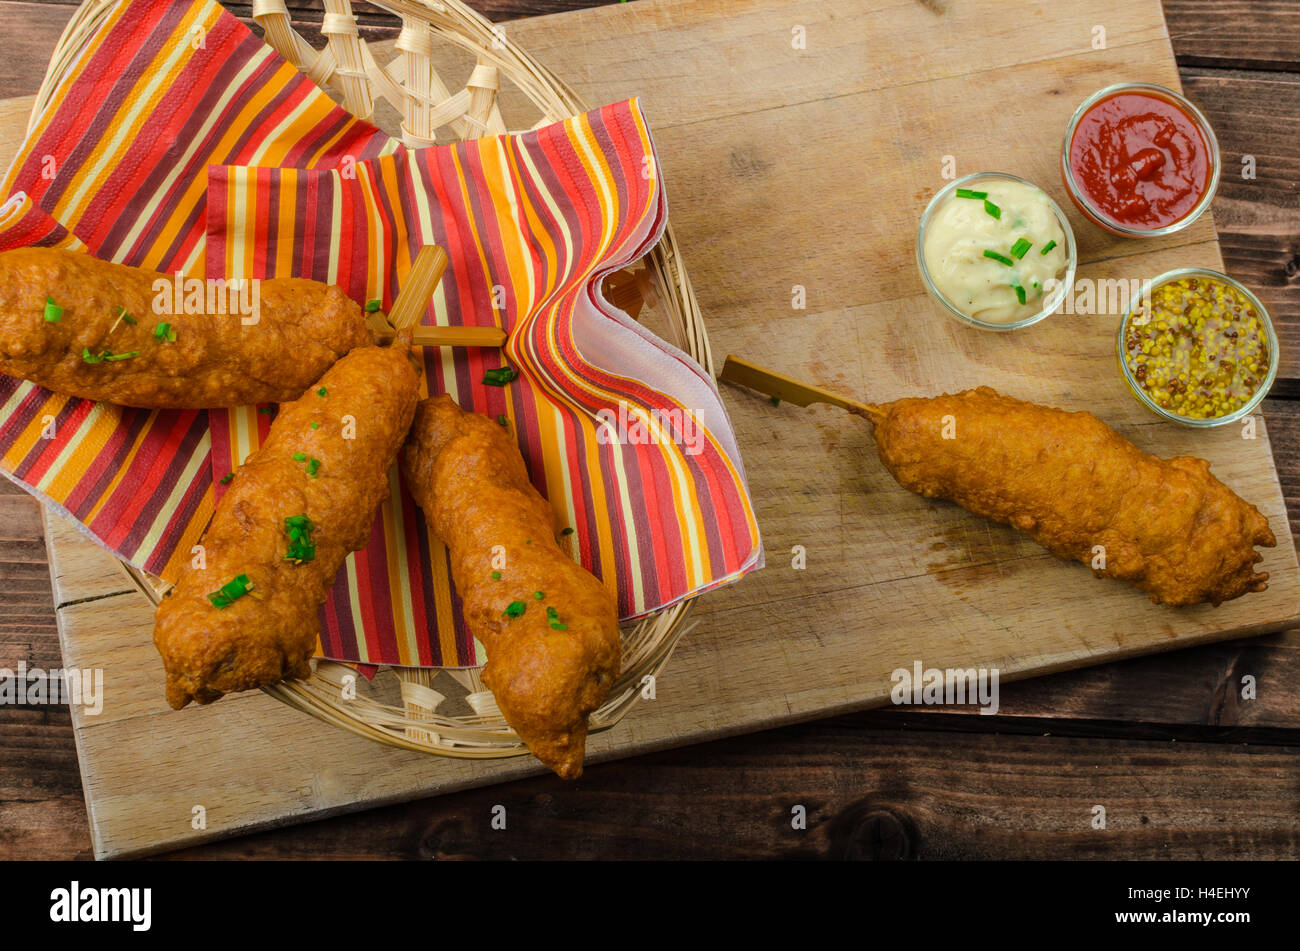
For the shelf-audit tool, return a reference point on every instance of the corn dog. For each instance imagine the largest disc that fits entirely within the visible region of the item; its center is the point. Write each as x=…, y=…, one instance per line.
x=89, y=328
x=295, y=509
x=1078, y=488
x=247, y=614
x=549, y=626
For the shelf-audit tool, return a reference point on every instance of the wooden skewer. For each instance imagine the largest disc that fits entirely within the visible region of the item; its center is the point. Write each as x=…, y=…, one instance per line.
x=445, y=336
x=736, y=370
x=420, y=284
x=413, y=301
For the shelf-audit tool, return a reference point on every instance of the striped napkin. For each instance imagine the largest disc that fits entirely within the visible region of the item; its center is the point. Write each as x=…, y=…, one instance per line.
x=623, y=433
x=117, y=165
x=220, y=159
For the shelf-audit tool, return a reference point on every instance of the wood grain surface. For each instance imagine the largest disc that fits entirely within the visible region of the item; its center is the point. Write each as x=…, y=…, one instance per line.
x=879, y=784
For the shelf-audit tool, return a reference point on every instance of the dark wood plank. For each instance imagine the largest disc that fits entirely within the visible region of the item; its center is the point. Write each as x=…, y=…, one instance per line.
x=28, y=631
x=1197, y=690
x=1235, y=34
x=1257, y=116
x=31, y=31
x=1283, y=419
x=42, y=811
x=869, y=792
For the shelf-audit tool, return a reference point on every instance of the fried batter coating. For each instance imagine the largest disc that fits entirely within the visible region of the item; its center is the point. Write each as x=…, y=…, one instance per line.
x=550, y=627
x=1071, y=482
x=362, y=407
x=215, y=359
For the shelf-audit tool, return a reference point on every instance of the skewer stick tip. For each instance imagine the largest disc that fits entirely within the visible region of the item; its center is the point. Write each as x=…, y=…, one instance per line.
x=418, y=288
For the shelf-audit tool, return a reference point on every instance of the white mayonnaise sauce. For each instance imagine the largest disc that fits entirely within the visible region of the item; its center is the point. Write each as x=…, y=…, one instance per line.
x=963, y=229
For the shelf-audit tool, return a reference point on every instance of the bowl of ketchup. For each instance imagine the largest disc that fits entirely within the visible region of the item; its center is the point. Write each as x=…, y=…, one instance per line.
x=1140, y=160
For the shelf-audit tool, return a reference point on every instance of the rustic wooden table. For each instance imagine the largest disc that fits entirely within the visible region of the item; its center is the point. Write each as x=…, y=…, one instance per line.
x=1166, y=741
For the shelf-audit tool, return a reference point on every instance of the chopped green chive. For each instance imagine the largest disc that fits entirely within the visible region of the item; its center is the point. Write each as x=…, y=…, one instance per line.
x=300, y=457
x=266, y=411
x=496, y=576
x=529, y=542
x=1000, y=258
x=300, y=552
x=501, y=418
x=566, y=531
x=992, y=209
x=1020, y=292
x=557, y=626
x=226, y=479
x=971, y=193
x=164, y=332
x=231, y=591
x=105, y=356
x=499, y=376
x=315, y=425
x=301, y=547
x=313, y=466
x=776, y=401
x=538, y=595
x=53, y=312
x=552, y=613
x=1020, y=247
x=1047, y=247
x=516, y=609
x=372, y=306
x=322, y=391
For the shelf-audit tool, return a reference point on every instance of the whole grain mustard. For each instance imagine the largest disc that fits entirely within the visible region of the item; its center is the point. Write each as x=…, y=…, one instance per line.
x=1198, y=349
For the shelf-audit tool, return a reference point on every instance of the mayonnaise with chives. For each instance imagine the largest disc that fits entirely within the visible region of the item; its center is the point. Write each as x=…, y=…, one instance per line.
x=993, y=247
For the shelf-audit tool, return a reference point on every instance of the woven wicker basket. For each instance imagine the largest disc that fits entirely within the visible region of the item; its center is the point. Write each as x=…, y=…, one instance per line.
x=448, y=712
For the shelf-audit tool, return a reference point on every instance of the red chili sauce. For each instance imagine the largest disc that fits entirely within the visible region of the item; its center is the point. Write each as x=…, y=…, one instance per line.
x=1140, y=160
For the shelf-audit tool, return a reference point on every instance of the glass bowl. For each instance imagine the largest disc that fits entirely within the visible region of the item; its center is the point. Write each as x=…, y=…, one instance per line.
x=1051, y=301
x=1270, y=334
x=1080, y=198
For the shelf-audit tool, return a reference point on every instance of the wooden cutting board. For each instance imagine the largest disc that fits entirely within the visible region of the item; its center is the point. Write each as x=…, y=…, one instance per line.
x=784, y=167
